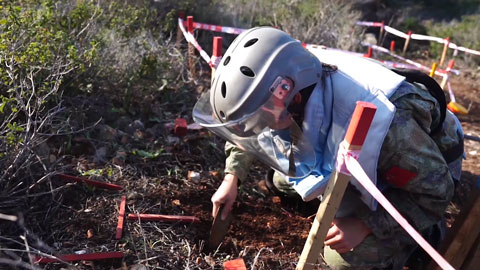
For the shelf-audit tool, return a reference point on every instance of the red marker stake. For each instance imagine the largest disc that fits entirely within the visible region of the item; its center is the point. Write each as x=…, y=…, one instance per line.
x=169, y=218
x=79, y=257
x=90, y=182
x=121, y=218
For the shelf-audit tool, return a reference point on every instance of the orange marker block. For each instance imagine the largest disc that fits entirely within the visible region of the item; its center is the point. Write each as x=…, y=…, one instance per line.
x=237, y=264
x=180, y=128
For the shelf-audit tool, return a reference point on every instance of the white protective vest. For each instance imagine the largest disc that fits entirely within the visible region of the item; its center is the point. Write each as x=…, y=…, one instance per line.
x=329, y=110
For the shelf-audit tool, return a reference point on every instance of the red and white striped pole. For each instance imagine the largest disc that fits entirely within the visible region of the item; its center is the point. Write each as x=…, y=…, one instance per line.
x=181, y=15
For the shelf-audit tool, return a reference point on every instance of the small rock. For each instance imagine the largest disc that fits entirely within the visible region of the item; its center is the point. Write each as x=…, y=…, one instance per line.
x=210, y=261
x=80, y=252
x=276, y=199
x=89, y=233
x=137, y=267
x=194, y=176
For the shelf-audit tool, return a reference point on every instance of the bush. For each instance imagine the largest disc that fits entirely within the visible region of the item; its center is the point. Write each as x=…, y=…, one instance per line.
x=465, y=33
x=52, y=54
x=329, y=23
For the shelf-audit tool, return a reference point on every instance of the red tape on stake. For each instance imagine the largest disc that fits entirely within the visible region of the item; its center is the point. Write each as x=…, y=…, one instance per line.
x=90, y=182
x=361, y=119
x=155, y=217
x=79, y=257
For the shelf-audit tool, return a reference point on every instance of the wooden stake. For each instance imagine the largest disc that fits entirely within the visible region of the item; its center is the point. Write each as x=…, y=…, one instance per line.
x=369, y=53
x=216, y=53
x=121, y=218
x=434, y=68
x=407, y=41
x=380, y=36
x=462, y=235
x=445, y=77
x=79, y=257
x=446, y=43
x=191, y=48
x=155, y=217
x=181, y=15
x=392, y=46
x=89, y=182
x=357, y=131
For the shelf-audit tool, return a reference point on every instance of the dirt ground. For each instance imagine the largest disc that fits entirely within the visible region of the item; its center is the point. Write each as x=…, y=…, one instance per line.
x=266, y=232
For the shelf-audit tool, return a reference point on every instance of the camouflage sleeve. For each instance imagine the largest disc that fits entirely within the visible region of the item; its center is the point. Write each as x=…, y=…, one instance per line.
x=238, y=162
x=418, y=180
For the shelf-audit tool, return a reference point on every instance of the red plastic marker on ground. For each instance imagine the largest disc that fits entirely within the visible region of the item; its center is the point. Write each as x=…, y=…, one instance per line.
x=156, y=217
x=90, y=182
x=237, y=264
x=121, y=217
x=180, y=128
x=80, y=257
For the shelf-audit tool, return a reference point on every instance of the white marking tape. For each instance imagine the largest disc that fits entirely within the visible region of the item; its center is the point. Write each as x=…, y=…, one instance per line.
x=438, y=72
x=356, y=170
x=212, y=61
x=417, y=36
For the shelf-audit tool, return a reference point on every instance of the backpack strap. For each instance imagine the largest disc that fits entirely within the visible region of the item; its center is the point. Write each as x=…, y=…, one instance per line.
x=415, y=76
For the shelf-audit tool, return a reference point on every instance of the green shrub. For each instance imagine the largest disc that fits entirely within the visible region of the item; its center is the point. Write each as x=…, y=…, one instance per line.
x=464, y=33
x=327, y=22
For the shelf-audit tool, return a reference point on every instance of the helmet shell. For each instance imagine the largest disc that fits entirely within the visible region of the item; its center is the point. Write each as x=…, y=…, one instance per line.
x=250, y=66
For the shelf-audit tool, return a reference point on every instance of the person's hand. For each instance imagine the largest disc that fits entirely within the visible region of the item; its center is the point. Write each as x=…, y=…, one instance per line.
x=225, y=194
x=346, y=233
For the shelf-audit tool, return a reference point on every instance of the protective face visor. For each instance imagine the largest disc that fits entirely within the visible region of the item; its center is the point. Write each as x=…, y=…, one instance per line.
x=269, y=133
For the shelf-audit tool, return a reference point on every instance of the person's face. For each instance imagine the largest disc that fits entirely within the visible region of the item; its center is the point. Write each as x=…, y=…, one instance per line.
x=276, y=110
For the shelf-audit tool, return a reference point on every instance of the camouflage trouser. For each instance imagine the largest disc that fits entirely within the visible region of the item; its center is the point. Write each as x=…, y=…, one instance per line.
x=372, y=253
x=280, y=182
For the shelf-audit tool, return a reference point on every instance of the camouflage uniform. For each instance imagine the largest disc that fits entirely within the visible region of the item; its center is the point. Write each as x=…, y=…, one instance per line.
x=412, y=174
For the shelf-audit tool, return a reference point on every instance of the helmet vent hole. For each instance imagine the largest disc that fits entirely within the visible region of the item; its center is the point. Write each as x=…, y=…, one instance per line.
x=250, y=42
x=247, y=71
x=222, y=115
x=224, y=90
x=227, y=60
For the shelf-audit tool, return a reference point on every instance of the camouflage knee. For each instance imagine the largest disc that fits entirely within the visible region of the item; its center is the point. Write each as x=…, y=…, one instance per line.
x=281, y=183
x=370, y=254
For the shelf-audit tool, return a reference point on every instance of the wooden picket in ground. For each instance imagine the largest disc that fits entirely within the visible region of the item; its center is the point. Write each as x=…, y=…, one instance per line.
x=462, y=236
x=79, y=257
x=356, y=133
x=156, y=217
x=121, y=218
x=472, y=262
